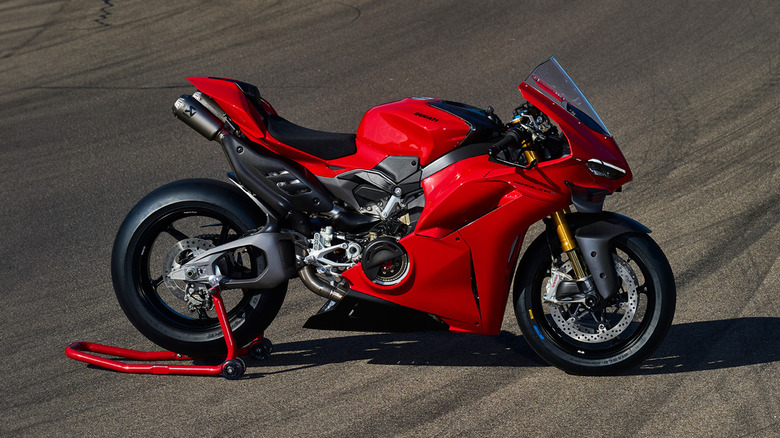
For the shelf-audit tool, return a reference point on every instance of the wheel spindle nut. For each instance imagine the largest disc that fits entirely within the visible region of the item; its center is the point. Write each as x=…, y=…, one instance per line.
x=191, y=273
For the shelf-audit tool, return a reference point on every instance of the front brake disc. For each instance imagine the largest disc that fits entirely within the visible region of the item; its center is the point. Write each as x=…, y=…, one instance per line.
x=583, y=326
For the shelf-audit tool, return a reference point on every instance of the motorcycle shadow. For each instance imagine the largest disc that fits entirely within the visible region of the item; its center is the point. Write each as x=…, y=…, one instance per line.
x=712, y=345
x=689, y=347
x=406, y=349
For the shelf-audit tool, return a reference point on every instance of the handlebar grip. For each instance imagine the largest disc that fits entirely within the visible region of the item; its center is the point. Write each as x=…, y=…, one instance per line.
x=512, y=137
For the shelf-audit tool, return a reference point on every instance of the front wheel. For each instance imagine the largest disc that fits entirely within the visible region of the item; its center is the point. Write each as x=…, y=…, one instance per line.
x=607, y=341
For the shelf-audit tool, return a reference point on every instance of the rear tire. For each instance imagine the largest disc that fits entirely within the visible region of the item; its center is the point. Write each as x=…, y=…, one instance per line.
x=583, y=342
x=172, y=224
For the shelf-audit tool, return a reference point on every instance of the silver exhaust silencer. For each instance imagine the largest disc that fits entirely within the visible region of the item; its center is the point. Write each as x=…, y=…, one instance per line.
x=197, y=117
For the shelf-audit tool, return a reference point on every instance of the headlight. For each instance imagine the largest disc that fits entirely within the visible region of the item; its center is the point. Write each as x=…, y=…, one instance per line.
x=600, y=168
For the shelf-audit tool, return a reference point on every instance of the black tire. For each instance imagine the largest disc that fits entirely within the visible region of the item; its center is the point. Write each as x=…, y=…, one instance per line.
x=636, y=336
x=212, y=213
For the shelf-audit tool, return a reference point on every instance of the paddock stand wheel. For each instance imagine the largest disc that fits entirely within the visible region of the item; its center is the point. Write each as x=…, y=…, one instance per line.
x=232, y=368
x=260, y=348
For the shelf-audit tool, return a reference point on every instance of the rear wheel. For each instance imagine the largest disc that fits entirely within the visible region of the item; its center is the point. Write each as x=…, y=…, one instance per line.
x=155, y=239
x=607, y=340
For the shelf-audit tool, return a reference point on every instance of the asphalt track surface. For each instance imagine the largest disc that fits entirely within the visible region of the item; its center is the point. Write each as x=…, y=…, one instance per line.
x=689, y=90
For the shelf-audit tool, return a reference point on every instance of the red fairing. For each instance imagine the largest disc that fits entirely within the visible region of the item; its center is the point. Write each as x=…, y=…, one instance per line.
x=483, y=208
x=584, y=143
x=441, y=279
x=231, y=99
x=459, y=195
x=411, y=127
x=439, y=282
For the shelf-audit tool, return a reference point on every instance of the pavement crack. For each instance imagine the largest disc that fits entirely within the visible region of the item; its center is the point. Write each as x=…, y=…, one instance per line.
x=354, y=8
x=104, y=13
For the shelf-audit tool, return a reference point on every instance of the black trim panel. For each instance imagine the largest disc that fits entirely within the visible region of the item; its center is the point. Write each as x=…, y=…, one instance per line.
x=452, y=157
x=362, y=312
x=482, y=128
x=279, y=183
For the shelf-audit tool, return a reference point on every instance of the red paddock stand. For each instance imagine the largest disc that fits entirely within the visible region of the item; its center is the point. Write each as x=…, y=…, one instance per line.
x=232, y=368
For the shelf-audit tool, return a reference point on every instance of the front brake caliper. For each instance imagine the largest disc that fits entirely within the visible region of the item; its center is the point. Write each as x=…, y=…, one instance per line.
x=558, y=274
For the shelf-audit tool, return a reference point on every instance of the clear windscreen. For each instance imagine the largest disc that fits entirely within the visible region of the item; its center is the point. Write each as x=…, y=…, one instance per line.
x=551, y=80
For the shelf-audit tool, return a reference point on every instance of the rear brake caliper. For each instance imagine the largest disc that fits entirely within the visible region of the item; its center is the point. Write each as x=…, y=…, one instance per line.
x=194, y=294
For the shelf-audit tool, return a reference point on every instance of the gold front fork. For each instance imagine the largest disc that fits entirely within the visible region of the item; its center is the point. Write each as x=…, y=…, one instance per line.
x=565, y=235
x=568, y=244
x=530, y=156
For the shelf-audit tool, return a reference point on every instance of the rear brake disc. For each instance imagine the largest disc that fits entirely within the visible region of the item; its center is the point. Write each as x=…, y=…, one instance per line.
x=179, y=254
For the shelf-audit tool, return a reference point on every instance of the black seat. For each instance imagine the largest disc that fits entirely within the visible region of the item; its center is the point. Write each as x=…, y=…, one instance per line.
x=325, y=145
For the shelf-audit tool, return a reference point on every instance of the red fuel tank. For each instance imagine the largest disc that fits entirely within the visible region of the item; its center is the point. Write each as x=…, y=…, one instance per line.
x=424, y=127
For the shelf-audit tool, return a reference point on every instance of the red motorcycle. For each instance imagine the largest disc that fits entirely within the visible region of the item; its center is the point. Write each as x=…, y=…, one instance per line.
x=413, y=223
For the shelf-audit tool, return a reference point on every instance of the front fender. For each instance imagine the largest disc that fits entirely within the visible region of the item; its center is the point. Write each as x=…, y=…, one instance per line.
x=593, y=232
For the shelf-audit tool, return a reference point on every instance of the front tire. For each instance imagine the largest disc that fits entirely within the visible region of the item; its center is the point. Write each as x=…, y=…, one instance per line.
x=580, y=341
x=169, y=226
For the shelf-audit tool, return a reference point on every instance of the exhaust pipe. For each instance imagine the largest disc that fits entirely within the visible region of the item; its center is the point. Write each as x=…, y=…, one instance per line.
x=197, y=117
x=319, y=287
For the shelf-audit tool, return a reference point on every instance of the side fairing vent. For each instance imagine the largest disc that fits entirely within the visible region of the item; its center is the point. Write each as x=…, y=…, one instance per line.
x=287, y=182
x=274, y=180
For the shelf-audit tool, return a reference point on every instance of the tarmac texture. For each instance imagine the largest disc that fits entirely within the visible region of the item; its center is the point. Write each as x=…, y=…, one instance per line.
x=688, y=89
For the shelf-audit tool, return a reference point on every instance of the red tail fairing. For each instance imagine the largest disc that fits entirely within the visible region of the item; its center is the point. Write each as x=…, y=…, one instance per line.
x=235, y=101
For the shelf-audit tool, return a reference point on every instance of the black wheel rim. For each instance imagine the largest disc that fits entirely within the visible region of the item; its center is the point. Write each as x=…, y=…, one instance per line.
x=155, y=242
x=626, y=340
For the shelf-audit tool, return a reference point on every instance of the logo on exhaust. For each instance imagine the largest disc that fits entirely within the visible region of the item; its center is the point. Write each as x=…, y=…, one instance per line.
x=191, y=111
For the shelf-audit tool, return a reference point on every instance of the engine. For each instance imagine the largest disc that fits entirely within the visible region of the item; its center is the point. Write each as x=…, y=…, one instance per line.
x=383, y=258
x=414, y=132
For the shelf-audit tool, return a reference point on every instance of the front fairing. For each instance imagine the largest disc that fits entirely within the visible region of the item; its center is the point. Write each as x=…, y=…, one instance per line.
x=477, y=212
x=550, y=89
